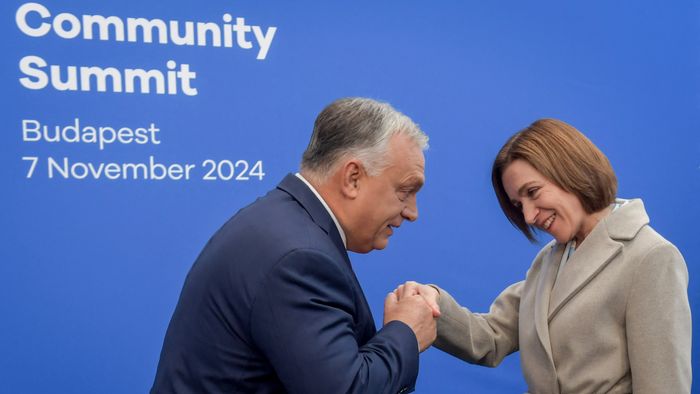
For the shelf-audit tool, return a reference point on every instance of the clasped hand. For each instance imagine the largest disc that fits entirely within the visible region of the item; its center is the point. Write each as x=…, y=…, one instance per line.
x=415, y=305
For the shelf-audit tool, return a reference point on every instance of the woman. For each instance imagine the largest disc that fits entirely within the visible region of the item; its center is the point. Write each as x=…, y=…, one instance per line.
x=604, y=306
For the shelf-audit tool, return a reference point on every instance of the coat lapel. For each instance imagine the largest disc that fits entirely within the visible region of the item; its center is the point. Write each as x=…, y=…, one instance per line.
x=542, y=297
x=596, y=251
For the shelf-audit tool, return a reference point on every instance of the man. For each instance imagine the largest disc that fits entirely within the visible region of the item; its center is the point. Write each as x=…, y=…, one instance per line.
x=272, y=303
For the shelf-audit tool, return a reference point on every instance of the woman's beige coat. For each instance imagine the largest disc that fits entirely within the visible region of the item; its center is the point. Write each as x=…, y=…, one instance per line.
x=617, y=320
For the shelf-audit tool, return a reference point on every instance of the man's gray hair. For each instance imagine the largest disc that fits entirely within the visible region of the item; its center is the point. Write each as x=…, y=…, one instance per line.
x=356, y=127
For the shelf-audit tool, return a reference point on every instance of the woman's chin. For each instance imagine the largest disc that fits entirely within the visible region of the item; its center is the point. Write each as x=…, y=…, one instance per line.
x=560, y=238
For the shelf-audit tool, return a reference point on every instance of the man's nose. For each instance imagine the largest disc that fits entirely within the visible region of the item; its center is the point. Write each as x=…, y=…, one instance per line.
x=410, y=211
x=530, y=213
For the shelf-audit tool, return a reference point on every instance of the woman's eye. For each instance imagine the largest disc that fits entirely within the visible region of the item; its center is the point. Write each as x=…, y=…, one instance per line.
x=532, y=191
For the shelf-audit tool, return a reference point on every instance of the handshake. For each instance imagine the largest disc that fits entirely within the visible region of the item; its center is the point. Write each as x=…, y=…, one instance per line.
x=416, y=305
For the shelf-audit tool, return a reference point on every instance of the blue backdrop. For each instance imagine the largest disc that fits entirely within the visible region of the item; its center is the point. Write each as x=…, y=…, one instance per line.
x=92, y=266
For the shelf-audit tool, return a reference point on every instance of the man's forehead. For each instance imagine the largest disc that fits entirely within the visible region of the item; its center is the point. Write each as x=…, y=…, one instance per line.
x=414, y=177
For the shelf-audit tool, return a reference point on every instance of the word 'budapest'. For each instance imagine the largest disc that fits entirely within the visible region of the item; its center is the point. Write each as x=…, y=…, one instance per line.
x=34, y=131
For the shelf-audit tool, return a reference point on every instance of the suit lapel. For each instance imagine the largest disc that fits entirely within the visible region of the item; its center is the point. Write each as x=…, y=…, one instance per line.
x=590, y=258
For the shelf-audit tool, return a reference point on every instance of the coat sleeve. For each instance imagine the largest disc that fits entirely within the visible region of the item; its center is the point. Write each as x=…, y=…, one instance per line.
x=483, y=339
x=658, y=323
x=303, y=321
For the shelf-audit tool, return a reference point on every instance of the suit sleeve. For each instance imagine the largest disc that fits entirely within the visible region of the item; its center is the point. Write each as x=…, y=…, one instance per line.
x=302, y=320
x=658, y=323
x=483, y=339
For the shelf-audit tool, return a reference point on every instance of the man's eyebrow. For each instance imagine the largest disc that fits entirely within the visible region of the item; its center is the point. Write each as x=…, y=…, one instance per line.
x=415, y=182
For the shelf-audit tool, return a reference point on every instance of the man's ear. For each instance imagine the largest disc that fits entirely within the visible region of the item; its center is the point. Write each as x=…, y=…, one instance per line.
x=352, y=174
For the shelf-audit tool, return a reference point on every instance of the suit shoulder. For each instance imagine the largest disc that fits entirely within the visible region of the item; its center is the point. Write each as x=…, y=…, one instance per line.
x=276, y=222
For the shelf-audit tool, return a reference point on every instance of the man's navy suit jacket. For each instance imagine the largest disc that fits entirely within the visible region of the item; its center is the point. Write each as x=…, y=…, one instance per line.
x=272, y=305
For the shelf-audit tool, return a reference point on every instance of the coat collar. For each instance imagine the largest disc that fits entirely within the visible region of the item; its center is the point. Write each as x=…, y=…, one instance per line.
x=296, y=188
x=595, y=252
x=627, y=221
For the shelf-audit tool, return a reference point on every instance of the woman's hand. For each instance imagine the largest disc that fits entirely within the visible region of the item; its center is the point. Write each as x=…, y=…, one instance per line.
x=429, y=294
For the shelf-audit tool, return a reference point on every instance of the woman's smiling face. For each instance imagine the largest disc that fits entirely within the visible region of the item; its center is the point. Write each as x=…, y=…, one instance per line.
x=545, y=205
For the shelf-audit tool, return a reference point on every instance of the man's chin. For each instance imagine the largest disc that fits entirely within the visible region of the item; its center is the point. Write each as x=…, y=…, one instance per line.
x=366, y=248
x=381, y=244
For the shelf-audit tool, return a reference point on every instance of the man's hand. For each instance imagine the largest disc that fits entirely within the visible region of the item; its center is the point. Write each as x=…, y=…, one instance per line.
x=416, y=313
x=429, y=294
